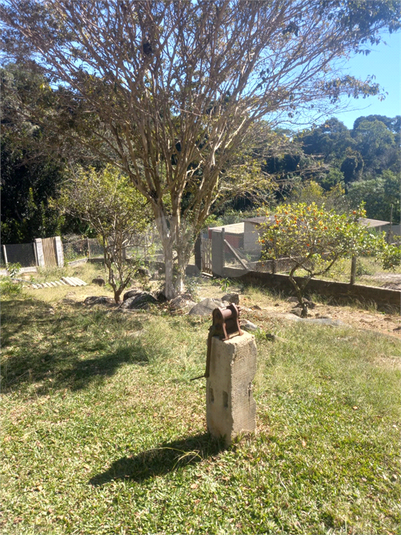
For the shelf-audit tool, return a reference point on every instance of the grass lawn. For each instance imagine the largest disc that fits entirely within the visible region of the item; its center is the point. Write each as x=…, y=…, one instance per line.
x=104, y=433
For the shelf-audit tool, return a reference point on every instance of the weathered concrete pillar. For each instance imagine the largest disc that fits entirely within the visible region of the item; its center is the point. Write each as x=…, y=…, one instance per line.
x=39, y=254
x=218, y=260
x=230, y=407
x=59, y=251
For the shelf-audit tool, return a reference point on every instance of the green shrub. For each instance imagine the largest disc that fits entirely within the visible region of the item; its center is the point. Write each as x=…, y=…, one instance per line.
x=10, y=288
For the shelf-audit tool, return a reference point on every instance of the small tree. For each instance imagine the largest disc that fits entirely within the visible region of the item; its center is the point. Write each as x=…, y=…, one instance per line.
x=315, y=238
x=114, y=209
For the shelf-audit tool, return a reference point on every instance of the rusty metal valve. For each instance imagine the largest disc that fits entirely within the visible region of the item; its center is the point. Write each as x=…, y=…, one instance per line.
x=225, y=326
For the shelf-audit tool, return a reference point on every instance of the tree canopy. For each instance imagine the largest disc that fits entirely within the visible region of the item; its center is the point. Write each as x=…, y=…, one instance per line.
x=169, y=91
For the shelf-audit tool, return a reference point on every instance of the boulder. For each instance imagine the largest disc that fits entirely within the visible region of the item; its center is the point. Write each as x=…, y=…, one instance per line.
x=326, y=321
x=247, y=325
x=192, y=271
x=231, y=298
x=131, y=293
x=141, y=301
x=143, y=272
x=99, y=300
x=181, y=301
x=99, y=281
x=160, y=296
x=206, y=307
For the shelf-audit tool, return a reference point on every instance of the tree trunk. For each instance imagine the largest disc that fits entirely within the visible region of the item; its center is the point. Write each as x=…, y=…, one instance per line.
x=184, y=253
x=168, y=248
x=299, y=294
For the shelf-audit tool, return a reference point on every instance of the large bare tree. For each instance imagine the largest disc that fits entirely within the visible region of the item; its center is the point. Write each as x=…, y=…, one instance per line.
x=169, y=90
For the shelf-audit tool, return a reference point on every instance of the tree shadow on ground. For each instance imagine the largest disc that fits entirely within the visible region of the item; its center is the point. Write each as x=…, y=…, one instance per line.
x=159, y=461
x=58, y=350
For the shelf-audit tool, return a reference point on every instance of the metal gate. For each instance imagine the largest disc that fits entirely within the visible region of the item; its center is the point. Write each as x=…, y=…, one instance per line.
x=49, y=252
x=206, y=252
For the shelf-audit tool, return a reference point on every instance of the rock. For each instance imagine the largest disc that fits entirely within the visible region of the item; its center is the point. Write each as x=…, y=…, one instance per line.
x=68, y=301
x=192, y=271
x=99, y=281
x=160, y=296
x=99, y=300
x=131, y=293
x=143, y=272
x=289, y=316
x=206, y=307
x=142, y=301
x=231, y=298
x=296, y=311
x=308, y=303
x=181, y=301
x=248, y=326
x=326, y=321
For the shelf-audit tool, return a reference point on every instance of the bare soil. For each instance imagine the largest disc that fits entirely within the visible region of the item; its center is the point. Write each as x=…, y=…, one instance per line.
x=262, y=308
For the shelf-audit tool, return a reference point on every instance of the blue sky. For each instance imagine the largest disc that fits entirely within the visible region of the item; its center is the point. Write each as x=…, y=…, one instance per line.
x=385, y=63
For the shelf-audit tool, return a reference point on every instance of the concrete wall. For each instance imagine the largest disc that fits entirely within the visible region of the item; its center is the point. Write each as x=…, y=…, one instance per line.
x=395, y=230
x=339, y=291
x=218, y=249
x=251, y=238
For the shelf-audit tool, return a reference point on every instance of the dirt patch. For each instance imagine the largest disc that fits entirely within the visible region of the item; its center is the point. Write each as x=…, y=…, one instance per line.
x=389, y=324
x=274, y=308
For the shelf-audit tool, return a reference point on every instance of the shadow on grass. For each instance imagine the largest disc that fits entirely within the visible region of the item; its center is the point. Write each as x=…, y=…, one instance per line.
x=59, y=350
x=168, y=457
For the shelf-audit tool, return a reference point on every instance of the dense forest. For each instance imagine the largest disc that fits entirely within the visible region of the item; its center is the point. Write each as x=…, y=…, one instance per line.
x=327, y=162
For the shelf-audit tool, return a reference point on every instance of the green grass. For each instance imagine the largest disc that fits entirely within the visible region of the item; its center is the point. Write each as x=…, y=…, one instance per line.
x=104, y=433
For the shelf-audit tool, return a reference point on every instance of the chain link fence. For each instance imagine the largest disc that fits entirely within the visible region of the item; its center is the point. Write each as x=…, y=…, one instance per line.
x=145, y=247
x=77, y=248
x=20, y=253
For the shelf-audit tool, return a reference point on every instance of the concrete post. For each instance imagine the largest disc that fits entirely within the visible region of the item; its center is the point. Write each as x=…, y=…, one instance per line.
x=230, y=407
x=218, y=253
x=40, y=257
x=5, y=255
x=59, y=251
